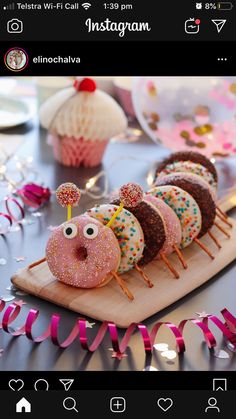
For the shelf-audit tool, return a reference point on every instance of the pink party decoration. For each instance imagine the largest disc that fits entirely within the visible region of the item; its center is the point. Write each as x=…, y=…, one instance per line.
x=34, y=195
x=76, y=153
x=188, y=113
x=79, y=330
x=225, y=94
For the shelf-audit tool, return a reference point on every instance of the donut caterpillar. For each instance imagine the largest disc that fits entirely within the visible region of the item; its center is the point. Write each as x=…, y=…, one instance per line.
x=89, y=250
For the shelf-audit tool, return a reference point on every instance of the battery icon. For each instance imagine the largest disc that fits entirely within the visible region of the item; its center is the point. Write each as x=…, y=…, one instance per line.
x=225, y=5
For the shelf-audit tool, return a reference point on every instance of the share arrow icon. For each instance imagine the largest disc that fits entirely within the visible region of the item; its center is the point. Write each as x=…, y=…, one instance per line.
x=67, y=383
x=219, y=23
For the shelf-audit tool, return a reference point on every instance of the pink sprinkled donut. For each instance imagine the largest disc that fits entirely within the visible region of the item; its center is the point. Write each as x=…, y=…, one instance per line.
x=172, y=223
x=83, y=252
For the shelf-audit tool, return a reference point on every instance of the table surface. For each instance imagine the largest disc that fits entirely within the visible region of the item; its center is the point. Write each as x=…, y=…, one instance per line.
x=123, y=162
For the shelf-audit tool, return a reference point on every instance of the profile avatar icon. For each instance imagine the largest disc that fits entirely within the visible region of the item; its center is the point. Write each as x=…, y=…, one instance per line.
x=16, y=59
x=212, y=406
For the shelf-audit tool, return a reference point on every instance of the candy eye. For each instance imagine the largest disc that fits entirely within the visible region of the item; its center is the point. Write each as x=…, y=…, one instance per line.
x=90, y=231
x=70, y=231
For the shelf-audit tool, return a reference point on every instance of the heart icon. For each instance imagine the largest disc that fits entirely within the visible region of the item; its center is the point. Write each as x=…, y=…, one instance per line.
x=16, y=385
x=165, y=404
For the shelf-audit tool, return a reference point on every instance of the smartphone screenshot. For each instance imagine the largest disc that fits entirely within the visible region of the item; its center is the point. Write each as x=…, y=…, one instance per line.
x=117, y=208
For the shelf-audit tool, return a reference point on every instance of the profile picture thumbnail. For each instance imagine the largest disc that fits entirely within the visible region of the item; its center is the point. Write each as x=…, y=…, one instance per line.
x=16, y=59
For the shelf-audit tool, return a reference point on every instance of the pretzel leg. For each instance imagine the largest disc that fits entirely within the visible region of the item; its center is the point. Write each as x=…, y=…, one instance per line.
x=222, y=212
x=222, y=229
x=180, y=256
x=144, y=276
x=203, y=247
x=38, y=262
x=213, y=237
x=223, y=219
x=169, y=265
x=121, y=283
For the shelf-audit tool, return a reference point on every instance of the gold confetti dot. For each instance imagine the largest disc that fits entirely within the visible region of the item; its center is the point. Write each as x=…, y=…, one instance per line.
x=185, y=134
x=203, y=129
x=153, y=126
x=155, y=117
x=202, y=110
x=201, y=145
x=233, y=88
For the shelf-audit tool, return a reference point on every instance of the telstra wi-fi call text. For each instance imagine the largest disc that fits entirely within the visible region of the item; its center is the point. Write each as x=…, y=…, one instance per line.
x=47, y=6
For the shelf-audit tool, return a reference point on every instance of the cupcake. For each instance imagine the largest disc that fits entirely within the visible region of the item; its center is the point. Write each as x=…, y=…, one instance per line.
x=81, y=120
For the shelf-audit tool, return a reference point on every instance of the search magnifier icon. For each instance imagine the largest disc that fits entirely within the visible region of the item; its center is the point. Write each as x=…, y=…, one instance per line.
x=69, y=404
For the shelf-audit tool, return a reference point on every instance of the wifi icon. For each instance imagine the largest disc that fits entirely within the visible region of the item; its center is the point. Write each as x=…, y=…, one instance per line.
x=86, y=6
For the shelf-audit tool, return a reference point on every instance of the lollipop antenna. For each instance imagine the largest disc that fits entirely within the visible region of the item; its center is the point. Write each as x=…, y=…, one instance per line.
x=68, y=195
x=130, y=194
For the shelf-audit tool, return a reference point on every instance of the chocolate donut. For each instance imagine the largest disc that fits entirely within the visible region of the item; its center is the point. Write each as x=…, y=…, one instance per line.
x=191, y=156
x=199, y=190
x=153, y=229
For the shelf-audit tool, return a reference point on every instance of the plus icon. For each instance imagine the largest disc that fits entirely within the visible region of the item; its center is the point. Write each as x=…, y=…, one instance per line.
x=117, y=404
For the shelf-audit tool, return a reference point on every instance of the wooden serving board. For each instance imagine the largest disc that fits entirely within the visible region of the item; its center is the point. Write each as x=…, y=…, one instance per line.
x=109, y=302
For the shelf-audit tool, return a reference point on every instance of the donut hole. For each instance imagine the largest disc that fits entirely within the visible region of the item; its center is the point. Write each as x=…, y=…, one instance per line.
x=81, y=253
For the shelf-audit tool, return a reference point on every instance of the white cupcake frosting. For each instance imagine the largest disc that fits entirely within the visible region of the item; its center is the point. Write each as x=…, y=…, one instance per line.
x=94, y=116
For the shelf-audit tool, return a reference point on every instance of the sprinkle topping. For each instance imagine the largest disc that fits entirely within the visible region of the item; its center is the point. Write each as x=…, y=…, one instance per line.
x=68, y=194
x=131, y=194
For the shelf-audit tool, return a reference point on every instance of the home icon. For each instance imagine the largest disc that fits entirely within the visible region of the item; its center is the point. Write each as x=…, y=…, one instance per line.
x=23, y=406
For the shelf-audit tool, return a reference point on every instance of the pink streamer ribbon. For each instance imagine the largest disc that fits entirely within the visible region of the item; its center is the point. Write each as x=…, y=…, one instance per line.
x=18, y=205
x=32, y=195
x=9, y=216
x=79, y=330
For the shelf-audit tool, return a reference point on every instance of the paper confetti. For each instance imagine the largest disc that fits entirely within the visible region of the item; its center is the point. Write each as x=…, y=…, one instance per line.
x=89, y=325
x=169, y=354
x=150, y=368
x=202, y=314
x=37, y=214
x=20, y=303
x=7, y=298
x=161, y=347
x=3, y=262
x=20, y=258
x=117, y=355
x=27, y=221
x=20, y=293
x=230, y=346
x=14, y=228
x=165, y=352
x=51, y=228
x=11, y=288
x=221, y=354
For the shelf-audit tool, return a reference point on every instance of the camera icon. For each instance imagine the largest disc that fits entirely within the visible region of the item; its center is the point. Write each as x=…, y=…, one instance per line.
x=15, y=26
